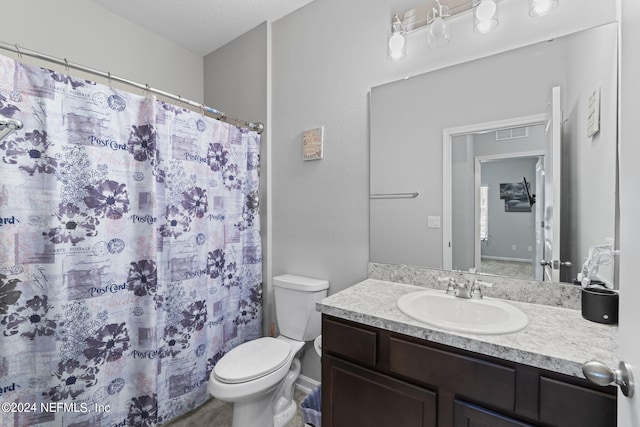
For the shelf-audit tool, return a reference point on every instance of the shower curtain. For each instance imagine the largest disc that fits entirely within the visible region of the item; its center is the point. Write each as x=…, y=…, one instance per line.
x=130, y=254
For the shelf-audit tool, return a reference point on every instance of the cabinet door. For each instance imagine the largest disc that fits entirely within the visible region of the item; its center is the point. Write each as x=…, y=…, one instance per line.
x=567, y=405
x=469, y=415
x=355, y=396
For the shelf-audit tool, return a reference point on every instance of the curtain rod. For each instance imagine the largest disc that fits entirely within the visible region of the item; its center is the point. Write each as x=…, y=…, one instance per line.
x=258, y=127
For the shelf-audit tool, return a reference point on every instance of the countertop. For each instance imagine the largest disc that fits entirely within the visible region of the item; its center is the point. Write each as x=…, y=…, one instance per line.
x=556, y=339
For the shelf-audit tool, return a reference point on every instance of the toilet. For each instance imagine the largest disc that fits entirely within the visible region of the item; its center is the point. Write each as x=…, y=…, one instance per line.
x=258, y=376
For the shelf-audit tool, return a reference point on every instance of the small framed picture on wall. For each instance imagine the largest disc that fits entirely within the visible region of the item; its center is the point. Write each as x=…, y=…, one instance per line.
x=312, y=143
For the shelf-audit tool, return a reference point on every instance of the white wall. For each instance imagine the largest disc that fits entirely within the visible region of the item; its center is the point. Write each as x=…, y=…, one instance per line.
x=89, y=35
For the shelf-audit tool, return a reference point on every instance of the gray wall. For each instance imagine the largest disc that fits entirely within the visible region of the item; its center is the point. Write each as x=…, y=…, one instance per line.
x=241, y=85
x=508, y=229
x=89, y=35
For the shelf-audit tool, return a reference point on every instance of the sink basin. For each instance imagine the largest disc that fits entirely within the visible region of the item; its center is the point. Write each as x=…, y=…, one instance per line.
x=473, y=316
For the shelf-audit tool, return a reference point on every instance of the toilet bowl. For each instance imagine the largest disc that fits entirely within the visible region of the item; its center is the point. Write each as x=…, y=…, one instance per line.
x=250, y=378
x=258, y=376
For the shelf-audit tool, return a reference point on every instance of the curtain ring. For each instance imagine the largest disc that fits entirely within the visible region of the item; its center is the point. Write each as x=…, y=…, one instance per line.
x=19, y=52
x=109, y=77
x=202, y=109
x=147, y=89
x=66, y=65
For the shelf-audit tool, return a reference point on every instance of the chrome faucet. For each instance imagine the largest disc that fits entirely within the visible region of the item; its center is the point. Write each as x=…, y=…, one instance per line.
x=451, y=285
x=476, y=288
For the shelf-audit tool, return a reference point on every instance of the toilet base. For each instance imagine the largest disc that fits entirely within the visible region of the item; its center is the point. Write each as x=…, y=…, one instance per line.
x=280, y=419
x=273, y=409
x=254, y=413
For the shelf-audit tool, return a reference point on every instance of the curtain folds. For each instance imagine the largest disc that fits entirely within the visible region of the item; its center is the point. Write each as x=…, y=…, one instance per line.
x=130, y=253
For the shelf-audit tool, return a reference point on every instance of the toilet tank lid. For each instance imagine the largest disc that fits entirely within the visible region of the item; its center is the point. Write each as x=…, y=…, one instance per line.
x=300, y=283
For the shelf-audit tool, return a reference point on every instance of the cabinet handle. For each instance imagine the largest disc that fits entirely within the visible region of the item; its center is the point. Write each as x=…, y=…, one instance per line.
x=600, y=374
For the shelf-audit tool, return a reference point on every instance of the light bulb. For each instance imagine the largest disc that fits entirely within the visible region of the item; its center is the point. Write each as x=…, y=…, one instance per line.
x=485, y=16
x=397, y=46
x=438, y=28
x=486, y=10
x=539, y=8
x=438, y=33
x=484, y=27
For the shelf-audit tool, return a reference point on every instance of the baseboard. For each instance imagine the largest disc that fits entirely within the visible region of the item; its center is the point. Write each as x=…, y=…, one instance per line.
x=306, y=384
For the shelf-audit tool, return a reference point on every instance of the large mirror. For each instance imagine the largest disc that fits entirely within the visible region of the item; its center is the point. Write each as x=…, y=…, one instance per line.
x=501, y=164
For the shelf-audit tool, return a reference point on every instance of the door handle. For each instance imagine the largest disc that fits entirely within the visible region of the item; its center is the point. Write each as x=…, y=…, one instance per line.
x=600, y=374
x=555, y=264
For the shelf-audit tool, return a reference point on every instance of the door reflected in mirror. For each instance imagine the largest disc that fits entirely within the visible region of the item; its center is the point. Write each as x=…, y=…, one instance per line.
x=496, y=177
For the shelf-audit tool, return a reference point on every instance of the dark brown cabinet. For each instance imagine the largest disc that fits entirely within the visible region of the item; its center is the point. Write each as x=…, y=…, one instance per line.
x=374, y=377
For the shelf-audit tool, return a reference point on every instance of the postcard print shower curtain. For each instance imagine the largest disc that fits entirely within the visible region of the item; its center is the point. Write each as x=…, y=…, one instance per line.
x=130, y=257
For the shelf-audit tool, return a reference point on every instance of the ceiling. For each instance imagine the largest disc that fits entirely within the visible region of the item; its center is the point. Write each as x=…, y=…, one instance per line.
x=201, y=26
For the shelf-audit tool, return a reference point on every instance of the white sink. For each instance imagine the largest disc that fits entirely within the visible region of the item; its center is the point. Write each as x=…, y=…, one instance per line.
x=473, y=316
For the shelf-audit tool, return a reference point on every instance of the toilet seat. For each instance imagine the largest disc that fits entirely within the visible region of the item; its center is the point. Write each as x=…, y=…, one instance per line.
x=251, y=360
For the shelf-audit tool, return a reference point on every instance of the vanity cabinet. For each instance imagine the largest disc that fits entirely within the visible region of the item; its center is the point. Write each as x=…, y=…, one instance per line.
x=373, y=377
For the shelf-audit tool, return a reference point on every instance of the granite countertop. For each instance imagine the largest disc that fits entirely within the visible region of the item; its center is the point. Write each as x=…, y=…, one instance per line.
x=556, y=339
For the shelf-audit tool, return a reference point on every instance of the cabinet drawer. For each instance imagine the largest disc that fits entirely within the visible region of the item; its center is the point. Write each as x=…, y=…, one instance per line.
x=350, y=342
x=563, y=404
x=474, y=379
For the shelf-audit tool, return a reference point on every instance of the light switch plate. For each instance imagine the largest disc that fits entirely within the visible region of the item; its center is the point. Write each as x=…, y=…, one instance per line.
x=433, y=222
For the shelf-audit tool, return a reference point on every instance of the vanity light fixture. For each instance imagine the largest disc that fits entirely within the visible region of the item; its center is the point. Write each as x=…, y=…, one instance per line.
x=397, y=45
x=438, y=34
x=538, y=8
x=485, y=15
x=432, y=17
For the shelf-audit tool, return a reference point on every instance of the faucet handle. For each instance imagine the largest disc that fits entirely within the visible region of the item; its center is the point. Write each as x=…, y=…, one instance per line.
x=452, y=289
x=476, y=288
x=451, y=286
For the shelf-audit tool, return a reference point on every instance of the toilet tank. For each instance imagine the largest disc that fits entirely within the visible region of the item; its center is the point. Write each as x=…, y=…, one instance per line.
x=295, y=298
